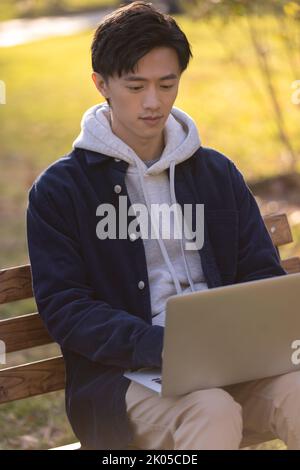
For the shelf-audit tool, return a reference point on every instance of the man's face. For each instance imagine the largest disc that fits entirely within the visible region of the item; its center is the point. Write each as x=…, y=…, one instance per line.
x=149, y=92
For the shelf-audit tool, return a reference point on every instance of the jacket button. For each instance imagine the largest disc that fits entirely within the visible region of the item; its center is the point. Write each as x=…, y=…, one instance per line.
x=132, y=237
x=117, y=189
x=141, y=285
x=117, y=160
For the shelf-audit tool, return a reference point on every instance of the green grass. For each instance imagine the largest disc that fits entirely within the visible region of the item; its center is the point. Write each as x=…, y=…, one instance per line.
x=48, y=89
x=212, y=91
x=35, y=423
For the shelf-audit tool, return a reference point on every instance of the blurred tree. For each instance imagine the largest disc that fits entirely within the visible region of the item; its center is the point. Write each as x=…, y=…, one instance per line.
x=287, y=16
x=171, y=7
x=174, y=7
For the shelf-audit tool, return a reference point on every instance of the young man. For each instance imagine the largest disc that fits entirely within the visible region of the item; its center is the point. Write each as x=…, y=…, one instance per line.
x=102, y=297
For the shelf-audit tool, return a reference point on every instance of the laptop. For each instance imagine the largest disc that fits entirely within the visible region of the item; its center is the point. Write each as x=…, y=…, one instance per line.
x=228, y=335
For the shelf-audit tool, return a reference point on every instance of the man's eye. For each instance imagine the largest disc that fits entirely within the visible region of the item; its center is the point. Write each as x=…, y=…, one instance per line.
x=137, y=88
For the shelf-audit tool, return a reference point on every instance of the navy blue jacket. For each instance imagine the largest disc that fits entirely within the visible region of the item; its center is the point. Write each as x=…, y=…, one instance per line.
x=87, y=291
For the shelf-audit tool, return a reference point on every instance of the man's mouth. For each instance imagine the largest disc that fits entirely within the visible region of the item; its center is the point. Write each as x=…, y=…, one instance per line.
x=152, y=120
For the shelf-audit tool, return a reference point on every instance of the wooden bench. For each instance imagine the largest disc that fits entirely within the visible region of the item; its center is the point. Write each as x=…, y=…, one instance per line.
x=27, y=331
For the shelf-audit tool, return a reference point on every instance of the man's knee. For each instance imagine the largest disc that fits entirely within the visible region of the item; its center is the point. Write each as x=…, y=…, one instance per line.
x=216, y=405
x=285, y=397
x=211, y=419
x=285, y=421
x=286, y=384
x=221, y=405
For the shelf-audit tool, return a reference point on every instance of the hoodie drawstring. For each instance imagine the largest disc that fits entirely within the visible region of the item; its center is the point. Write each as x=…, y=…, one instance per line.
x=160, y=241
x=157, y=234
x=174, y=201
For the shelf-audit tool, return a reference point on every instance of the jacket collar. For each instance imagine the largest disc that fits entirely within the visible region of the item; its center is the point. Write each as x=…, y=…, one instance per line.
x=94, y=158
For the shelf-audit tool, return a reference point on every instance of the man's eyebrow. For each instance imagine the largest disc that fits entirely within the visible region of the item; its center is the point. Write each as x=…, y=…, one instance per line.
x=136, y=78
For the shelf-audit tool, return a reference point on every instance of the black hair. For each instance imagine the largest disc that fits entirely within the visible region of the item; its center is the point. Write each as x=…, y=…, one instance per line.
x=124, y=36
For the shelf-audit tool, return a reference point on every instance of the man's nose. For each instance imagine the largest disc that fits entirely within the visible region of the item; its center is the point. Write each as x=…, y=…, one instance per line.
x=151, y=100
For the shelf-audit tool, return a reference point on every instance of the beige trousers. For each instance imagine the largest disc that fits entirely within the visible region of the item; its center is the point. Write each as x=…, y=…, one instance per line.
x=217, y=418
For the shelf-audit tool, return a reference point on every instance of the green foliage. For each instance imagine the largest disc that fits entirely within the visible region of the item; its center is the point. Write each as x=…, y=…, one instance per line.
x=34, y=8
x=228, y=9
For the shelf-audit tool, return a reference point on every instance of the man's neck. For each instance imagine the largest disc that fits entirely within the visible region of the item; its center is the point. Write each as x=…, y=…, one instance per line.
x=146, y=151
x=150, y=151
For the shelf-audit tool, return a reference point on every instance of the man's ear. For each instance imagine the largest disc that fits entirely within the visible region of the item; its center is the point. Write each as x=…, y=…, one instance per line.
x=100, y=84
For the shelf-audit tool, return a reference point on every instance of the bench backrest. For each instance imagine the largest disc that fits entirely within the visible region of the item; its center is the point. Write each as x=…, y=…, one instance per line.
x=27, y=331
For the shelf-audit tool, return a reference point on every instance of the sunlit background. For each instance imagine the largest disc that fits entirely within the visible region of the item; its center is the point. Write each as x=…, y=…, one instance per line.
x=242, y=88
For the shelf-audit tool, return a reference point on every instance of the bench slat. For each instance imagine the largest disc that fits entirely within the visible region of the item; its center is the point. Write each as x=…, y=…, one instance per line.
x=32, y=379
x=291, y=265
x=15, y=284
x=279, y=229
x=23, y=332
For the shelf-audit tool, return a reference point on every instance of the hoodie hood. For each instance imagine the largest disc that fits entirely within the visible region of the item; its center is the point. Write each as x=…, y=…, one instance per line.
x=180, y=133
x=181, y=142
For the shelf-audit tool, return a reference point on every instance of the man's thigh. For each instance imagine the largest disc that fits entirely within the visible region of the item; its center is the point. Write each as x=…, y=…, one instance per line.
x=261, y=398
x=164, y=422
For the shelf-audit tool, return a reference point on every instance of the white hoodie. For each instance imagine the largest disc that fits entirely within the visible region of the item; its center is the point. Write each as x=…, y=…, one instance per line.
x=171, y=269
